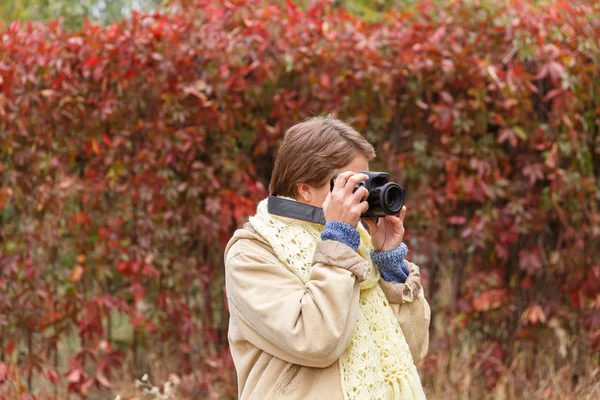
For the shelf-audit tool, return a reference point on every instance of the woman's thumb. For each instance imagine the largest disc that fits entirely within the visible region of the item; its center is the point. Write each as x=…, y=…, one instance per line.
x=402, y=214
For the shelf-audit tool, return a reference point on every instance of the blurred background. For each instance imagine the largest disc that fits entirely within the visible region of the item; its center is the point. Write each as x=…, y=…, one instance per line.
x=135, y=136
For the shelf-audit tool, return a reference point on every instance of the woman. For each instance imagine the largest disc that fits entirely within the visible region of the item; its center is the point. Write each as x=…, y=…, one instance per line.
x=324, y=311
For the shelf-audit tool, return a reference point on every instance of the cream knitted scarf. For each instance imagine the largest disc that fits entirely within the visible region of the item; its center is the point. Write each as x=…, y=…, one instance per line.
x=377, y=364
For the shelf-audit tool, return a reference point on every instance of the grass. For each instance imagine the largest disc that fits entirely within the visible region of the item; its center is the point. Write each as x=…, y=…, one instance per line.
x=535, y=372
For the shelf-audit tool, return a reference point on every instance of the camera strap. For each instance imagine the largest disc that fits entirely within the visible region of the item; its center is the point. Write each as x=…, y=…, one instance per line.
x=295, y=209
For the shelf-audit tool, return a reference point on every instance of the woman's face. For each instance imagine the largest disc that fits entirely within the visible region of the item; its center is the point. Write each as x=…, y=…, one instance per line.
x=316, y=196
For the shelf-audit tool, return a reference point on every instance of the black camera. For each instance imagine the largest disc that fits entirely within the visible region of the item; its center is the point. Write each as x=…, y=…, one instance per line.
x=385, y=197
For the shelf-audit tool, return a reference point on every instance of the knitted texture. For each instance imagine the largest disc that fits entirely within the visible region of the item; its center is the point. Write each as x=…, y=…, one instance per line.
x=391, y=263
x=342, y=232
x=377, y=364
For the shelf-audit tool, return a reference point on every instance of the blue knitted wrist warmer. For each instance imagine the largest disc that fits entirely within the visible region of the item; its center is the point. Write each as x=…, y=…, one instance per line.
x=391, y=263
x=342, y=232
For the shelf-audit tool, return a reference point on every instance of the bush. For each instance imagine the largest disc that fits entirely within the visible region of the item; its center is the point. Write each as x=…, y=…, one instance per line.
x=131, y=152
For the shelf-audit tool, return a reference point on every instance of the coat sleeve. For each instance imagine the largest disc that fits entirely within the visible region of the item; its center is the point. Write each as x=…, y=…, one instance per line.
x=412, y=311
x=307, y=324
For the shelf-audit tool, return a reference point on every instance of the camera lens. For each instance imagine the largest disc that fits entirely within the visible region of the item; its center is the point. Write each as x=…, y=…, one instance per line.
x=393, y=198
x=389, y=199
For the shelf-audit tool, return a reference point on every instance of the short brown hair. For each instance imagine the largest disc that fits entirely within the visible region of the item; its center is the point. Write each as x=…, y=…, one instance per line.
x=312, y=150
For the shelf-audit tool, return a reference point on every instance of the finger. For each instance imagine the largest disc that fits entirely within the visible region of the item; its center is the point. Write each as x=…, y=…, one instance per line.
x=327, y=201
x=402, y=214
x=361, y=207
x=341, y=180
x=361, y=194
x=366, y=206
x=393, y=222
x=353, y=180
x=393, y=219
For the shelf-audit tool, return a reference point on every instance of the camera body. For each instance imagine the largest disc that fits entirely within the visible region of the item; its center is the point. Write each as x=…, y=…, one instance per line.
x=385, y=197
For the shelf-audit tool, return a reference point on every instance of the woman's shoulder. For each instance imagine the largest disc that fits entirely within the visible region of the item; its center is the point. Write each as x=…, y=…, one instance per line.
x=246, y=241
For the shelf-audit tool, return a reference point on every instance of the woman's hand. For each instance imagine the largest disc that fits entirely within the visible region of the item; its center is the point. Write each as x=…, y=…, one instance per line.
x=388, y=232
x=341, y=204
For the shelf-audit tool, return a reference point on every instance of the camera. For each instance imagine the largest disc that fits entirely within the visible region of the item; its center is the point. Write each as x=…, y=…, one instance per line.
x=385, y=197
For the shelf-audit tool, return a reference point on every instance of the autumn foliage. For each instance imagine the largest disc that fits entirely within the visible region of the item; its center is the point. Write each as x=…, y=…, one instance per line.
x=130, y=153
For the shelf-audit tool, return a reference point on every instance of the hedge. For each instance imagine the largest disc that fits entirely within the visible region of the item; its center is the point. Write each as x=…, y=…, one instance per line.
x=130, y=153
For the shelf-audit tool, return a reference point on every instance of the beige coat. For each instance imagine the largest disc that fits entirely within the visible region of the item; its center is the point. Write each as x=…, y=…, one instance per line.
x=286, y=336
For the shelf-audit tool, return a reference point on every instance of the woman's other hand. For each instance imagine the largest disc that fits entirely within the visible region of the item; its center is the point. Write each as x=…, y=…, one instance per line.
x=388, y=232
x=342, y=204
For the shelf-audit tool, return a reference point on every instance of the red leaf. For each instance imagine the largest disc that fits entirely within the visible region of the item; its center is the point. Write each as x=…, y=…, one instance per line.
x=534, y=172
x=552, y=94
x=457, y=220
x=74, y=375
x=106, y=139
x=447, y=97
x=80, y=218
x=123, y=268
x=53, y=376
x=98, y=73
x=508, y=134
x=95, y=146
x=422, y=105
x=502, y=251
x=530, y=260
x=527, y=282
x=325, y=80
x=556, y=70
x=542, y=73
x=92, y=61
x=87, y=385
x=138, y=291
x=76, y=273
x=490, y=299
x=533, y=314
x=3, y=372
x=10, y=347
x=102, y=379
x=173, y=378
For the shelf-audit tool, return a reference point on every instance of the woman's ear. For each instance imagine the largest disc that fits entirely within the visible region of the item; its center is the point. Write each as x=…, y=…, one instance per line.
x=304, y=192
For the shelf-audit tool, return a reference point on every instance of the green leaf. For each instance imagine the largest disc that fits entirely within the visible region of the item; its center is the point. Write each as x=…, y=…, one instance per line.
x=520, y=132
